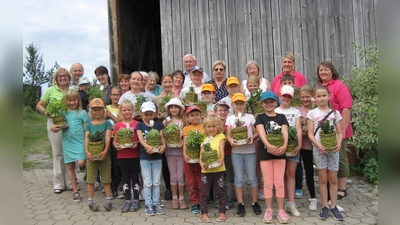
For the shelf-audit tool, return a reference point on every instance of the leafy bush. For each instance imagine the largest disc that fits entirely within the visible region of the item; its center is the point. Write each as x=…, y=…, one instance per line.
x=363, y=84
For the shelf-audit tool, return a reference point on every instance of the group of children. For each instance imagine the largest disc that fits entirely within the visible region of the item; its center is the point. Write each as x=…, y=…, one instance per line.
x=278, y=170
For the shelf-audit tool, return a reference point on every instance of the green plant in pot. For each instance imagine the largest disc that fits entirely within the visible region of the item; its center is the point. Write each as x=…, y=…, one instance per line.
x=296, y=98
x=95, y=92
x=254, y=103
x=193, y=143
x=153, y=138
x=173, y=135
x=327, y=136
x=239, y=132
x=203, y=106
x=191, y=95
x=275, y=136
x=125, y=137
x=57, y=109
x=140, y=99
x=209, y=156
x=161, y=105
x=96, y=144
x=292, y=141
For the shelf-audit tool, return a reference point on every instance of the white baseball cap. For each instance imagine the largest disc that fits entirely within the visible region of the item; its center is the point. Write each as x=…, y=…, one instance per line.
x=148, y=106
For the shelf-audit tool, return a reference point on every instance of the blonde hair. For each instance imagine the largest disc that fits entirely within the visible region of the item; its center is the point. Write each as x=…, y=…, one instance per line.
x=310, y=90
x=123, y=103
x=212, y=118
x=74, y=94
x=253, y=79
x=104, y=115
x=219, y=62
x=290, y=56
x=57, y=73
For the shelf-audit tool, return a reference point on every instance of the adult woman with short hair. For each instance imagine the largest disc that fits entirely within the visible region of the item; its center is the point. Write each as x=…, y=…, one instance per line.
x=152, y=84
x=61, y=81
x=252, y=69
x=178, y=81
x=123, y=82
x=219, y=81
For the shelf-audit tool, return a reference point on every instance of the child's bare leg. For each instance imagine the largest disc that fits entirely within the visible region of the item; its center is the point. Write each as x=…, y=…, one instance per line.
x=107, y=189
x=72, y=175
x=268, y=203
x=239, y=194
x=333, y=187
x=82, y=164
x=280, y=202
x=90, y=190
x=174, y=190
x=290, y=179
x=323, y=191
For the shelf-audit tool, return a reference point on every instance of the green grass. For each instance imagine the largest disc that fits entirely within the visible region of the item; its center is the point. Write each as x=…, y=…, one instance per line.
x=35, y=140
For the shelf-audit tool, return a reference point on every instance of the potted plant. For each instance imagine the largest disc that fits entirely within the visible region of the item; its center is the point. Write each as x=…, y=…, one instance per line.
x=239, y=132
x=125, y=137
x=193, y=143
x=203, y=106
x=292, y=142
x=95, y=92
x=96, y=144
x=57, y=109
x=139, y=101
x=327, y=136
x=161, y=105
x=153, y=138
x=275, y=137
x=296, y=98
x=209, y=156
x=173, y=135
x=191, y=95
x=254, y=103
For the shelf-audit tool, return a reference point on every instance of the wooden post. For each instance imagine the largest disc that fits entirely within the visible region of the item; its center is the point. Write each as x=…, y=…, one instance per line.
x=114, y=41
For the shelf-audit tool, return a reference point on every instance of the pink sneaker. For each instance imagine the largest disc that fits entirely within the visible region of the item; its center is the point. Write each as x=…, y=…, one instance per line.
x=268, y=216
x=282, y=216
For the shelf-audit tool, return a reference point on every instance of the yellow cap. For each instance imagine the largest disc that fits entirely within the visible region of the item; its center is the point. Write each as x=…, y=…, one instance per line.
x=207, y=87
x=96, y=102
x=232, y=80
x=238, y=97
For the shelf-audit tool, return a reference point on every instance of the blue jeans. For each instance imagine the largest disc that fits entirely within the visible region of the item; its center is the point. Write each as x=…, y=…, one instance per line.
x=151, y=172
x=244, y=161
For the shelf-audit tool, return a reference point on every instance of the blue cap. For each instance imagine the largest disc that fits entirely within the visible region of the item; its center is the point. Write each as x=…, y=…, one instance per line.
x=268, y=94
x=198, y=68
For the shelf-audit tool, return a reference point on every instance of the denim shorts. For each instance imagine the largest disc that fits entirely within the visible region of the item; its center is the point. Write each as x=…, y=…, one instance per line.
x=294, y=158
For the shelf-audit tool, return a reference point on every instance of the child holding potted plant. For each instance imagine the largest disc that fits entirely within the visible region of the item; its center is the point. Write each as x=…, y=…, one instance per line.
x=73, y=138
x=232, y=86
x=151, y=137
x=98, y=130
x=126, y=143
x=192, y=139
x=243, y=154
x=212, y=165
x=273, y=130
x=208, y=96
x=327, y=161
x=174, y=124
x=294, y=144
x=133, y=95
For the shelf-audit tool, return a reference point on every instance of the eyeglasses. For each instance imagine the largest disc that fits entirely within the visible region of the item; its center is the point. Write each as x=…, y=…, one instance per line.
x=218, y=69
x=115, y=95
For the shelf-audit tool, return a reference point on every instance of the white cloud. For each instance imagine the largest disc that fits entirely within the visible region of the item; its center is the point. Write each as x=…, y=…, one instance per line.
x=68, y=32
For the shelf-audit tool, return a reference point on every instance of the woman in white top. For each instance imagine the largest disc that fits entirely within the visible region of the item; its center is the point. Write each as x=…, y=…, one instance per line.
x=252, y=69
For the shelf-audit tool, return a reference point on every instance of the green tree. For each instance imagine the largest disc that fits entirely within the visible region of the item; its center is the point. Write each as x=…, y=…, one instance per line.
x=35, y=75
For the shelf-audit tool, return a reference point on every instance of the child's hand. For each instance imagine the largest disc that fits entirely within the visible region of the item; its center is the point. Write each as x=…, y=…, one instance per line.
x=321, y=148
x=186, y=158
x=48, y=115
x=250, y=140
x=338, y=146
x=149, y=150
x=135, y=144
x=89, y=156
x=103, y=155
x=280, y=151
x=181, y=144
x=55, y=128
x=232, y=142
x=203, y=166
x=161, y=149
x=297, y=150
x=221, y=162
x=117, y=146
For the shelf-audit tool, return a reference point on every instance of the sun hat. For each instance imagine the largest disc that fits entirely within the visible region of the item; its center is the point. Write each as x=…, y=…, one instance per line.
x=239, y=97
x=198, y=68
x=207, y=87
x=191, y=108
x=232, y=80
x=83, y=80
x=174, y=101
x=148, y=106
x=221, y=103
x=268, y=94
x=287, y=90
x=96, y=102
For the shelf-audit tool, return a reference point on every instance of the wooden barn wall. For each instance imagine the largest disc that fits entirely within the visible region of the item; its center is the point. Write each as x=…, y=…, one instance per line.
x=237, y=31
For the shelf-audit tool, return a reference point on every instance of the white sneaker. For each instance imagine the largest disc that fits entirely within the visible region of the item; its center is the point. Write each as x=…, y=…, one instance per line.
x=292, y=208
x=313, y=204
x=261, y=195
x=338, y=207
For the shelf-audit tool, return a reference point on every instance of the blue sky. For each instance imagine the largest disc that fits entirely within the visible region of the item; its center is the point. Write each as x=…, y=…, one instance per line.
x=68, y=32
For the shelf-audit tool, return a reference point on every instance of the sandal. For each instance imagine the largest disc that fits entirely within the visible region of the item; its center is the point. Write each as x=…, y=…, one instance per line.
x=77, y=197
x=221, y=217
x=205, y=219
x=342, y=196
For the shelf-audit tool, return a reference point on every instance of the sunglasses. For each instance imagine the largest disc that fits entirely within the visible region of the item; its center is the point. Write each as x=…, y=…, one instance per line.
x=218, y=69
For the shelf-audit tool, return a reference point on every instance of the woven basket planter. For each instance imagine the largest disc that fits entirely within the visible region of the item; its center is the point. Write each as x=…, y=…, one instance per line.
x=291, y=147
x=275, y=139
x=256, y=108
x=60, y=119
x=210, y=158
x=173, y=139
x=240, y=135
x=191, y=97
x=161, y=109
x=328, y=141
x=136, y=112
x=194, y=154
x=125, y=141
x=202, y=106
x=95, y=148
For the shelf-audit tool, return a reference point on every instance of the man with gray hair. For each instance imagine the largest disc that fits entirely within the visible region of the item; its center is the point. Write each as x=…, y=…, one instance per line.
x=189, y=61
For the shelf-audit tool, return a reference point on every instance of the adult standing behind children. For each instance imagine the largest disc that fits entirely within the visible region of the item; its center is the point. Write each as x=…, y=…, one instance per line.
x=152, y=84
x=104, y=79
x=189, y=61
x=136, y=83
x=288, y=63
x=76, y=72
x=219, y=81
x=123, y=82
x=61, y=81
x=252, y=69
x=196, y=76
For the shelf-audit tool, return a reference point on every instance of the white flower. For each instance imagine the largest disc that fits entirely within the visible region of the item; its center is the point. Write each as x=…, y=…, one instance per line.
x=168, y=119
x=151, y=123
x=276, y=127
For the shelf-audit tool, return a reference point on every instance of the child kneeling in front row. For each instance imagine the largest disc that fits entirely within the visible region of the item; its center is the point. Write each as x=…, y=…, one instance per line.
x=99, y=123
x=213, y=130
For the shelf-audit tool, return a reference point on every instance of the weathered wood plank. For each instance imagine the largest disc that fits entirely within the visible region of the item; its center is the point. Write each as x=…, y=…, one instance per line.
x=308, y=21
x=203, y=56
x=166, y=33
x=241, y=36
x=222, y=34
x=358, y=27
x=214, y=26
x=176, y=37
x=256, y=29
x=276, y=34
x=297, y=36
x=185, y=30
x=267, y=65
x=232, y=39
